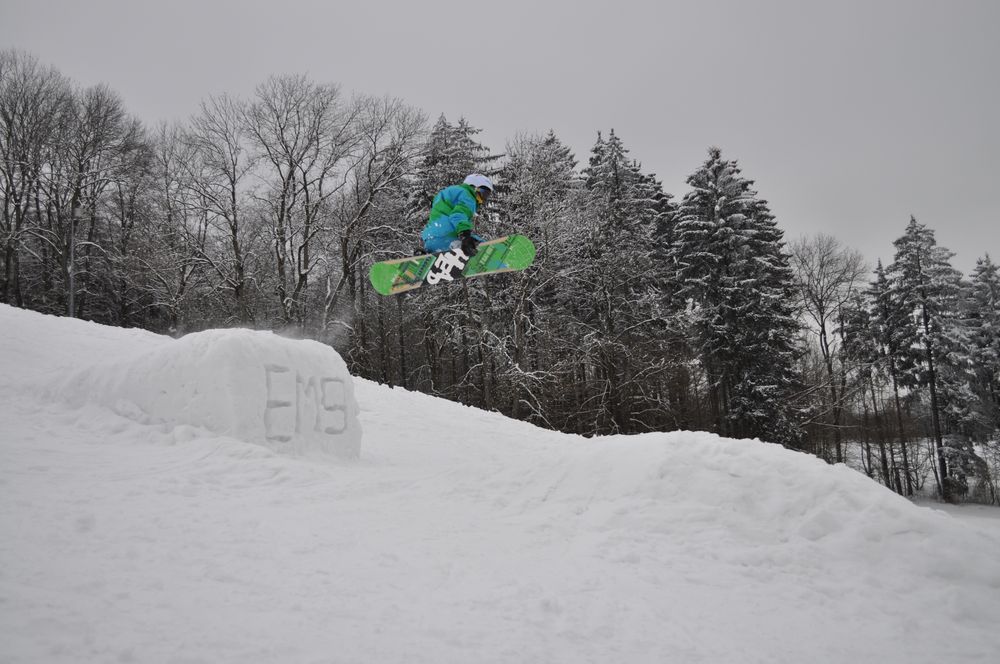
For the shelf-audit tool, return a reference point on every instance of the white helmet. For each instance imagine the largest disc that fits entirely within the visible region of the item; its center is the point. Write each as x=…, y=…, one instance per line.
x=477, y=181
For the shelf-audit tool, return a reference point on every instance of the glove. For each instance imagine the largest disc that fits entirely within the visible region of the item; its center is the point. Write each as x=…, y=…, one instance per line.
x=469, y=244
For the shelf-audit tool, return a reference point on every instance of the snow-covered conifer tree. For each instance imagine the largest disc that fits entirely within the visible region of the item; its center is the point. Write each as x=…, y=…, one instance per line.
x=732, y=267
x=454, y=328
x=875, y=338
x=451, y=153
x=934, y=342
x=539, y=190
x=984, y=332
x=618, y=300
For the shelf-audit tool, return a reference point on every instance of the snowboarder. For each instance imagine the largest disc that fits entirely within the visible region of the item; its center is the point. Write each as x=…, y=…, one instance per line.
x=450, y=223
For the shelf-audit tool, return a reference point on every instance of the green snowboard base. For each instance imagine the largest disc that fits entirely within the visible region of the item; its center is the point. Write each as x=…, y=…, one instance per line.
x=503, y=254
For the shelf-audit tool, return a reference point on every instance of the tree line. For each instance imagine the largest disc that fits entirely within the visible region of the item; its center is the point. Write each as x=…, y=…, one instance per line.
x=643, y=312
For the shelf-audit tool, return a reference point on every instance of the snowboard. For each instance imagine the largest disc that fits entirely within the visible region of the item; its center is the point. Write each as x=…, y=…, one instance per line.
x=502, y=254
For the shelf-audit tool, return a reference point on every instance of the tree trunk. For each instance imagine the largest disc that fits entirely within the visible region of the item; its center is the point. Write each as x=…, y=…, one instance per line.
x=879, y=433
x=402, y=344
x=899, y=425
x=935, y=419
x=834, y=400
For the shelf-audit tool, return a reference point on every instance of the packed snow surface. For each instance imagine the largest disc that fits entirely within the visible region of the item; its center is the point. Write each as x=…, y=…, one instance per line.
x=149, y=514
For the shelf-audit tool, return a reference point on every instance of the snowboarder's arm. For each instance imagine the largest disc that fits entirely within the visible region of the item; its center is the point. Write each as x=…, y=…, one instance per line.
x=463, y=211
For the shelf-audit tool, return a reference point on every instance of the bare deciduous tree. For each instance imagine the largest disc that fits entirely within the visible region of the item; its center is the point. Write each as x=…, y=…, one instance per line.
x=33, y=101
x=305, y=133
x=390, y=139
x=827, y=274
x=93, y=149
x=177, y=232
x=219, y=178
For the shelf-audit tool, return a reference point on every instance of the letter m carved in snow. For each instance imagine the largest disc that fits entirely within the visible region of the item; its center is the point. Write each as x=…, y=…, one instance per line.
x=322, y=396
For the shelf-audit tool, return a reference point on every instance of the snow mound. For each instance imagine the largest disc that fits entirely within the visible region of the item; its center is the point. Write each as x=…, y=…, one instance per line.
x=768, y=507
x=295, y=397
x=35, y=346
x=660, y=547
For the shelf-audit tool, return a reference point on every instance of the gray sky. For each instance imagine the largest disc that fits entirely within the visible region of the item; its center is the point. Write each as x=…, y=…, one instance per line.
x=850, y=115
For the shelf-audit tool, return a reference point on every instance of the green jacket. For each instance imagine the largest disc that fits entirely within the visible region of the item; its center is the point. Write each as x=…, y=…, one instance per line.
x=451, y=213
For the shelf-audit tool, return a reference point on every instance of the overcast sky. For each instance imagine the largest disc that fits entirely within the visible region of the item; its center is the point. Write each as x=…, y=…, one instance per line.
x=850, y=115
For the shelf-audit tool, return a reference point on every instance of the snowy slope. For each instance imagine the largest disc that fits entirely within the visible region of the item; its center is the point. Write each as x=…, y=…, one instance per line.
x=128, y=538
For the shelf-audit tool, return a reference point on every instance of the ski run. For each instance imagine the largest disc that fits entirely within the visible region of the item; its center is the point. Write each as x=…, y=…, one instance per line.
x=234, y=496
